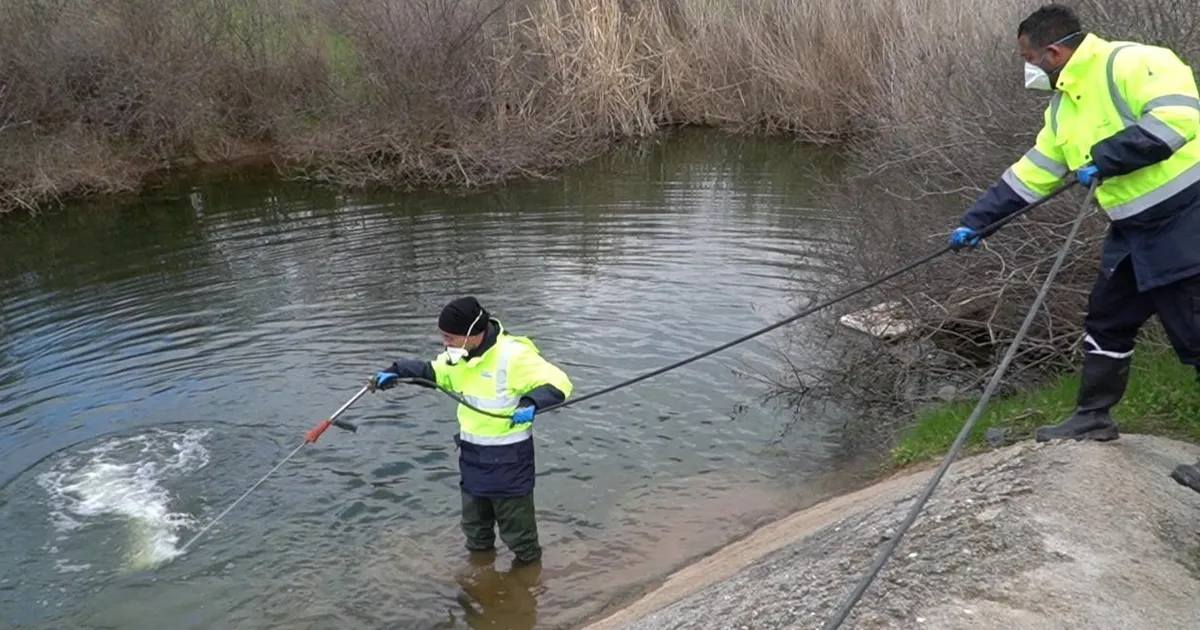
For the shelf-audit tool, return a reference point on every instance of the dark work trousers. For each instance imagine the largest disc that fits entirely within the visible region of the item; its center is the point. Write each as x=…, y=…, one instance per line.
x=515, y=517
x=1117, y=310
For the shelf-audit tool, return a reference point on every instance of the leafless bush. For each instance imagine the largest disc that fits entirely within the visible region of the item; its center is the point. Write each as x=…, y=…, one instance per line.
x=113, y=90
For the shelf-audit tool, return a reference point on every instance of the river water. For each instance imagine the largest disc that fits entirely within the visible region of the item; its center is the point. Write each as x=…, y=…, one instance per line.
x=158, y=356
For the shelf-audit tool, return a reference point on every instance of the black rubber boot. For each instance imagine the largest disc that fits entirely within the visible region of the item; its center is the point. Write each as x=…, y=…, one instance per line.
x=1187, y=475
x=1101, y=386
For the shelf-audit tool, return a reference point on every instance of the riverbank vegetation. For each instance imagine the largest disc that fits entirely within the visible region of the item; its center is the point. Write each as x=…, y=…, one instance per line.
x=471, y=92
x=1162, y=399
x=414, y=92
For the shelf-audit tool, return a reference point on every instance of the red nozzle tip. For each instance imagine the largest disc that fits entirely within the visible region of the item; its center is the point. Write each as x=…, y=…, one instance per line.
x=315, y=432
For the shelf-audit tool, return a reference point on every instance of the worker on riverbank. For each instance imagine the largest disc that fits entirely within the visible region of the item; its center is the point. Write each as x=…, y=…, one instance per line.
x=1125, y=115
x=501, y=374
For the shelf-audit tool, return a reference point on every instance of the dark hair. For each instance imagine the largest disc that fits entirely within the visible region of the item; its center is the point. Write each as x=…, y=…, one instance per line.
x=1050, y=23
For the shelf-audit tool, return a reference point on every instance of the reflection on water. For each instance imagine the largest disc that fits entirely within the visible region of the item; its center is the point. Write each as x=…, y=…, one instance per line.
x=492, y=598
x=226, y=318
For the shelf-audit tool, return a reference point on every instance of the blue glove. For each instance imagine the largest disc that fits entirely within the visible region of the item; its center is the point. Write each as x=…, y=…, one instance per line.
x=384, y=380
x=523, y=414
x=1086, y=174
x=962, y=237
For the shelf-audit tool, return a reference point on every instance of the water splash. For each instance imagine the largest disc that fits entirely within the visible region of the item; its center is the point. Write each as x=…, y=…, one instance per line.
x=123, y=478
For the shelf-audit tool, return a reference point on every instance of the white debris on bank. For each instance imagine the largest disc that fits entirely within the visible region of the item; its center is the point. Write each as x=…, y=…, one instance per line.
x=882, y=321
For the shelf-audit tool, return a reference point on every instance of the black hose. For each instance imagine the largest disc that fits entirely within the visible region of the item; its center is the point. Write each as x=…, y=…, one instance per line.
x=890, y=547
x=783, y=322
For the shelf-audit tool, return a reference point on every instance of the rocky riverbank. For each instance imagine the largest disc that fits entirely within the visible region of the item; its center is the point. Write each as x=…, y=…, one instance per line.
x=1029, y=536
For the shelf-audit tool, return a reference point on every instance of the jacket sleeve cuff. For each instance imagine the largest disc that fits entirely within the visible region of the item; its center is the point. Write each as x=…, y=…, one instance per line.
x=414, y=368
x=1127, y=151
x=996, y=203
x=543, y=396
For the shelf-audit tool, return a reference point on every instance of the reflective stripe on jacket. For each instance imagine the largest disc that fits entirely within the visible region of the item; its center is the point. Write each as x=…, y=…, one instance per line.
x=496, y=458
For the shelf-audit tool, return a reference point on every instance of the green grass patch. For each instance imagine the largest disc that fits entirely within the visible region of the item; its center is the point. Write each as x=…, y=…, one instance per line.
x=343, y=57
x=1162, y=399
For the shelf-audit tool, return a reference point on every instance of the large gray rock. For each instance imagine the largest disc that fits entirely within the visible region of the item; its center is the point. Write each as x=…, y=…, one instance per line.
x=1068, y=535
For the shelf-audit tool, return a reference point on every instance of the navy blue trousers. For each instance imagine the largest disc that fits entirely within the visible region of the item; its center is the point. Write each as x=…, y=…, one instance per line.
x=1117, y=311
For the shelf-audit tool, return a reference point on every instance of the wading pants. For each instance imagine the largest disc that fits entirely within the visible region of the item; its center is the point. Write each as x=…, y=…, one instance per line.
x=515, y=518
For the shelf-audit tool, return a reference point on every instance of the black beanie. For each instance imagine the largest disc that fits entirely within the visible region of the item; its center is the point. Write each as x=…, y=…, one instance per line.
x=457, y=316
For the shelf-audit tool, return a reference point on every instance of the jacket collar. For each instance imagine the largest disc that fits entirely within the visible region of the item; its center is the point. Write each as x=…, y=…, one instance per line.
x=494, y=330
x=1080, y=64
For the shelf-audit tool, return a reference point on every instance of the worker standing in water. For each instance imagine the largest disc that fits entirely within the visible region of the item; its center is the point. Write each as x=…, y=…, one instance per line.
x=498, y=373
x=1125, y=115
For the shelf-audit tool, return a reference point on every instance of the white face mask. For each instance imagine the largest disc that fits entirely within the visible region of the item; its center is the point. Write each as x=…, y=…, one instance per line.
x=1036, y=78
x=453, y=354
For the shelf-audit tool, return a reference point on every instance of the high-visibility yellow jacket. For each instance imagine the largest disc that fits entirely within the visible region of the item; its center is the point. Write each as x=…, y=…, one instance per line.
x=1133, y=111
x=496, y=456
x=509, y=368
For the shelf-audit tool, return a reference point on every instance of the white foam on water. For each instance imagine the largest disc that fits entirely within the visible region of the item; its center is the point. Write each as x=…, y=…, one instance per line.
x=64, y=566
x=123, y=477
